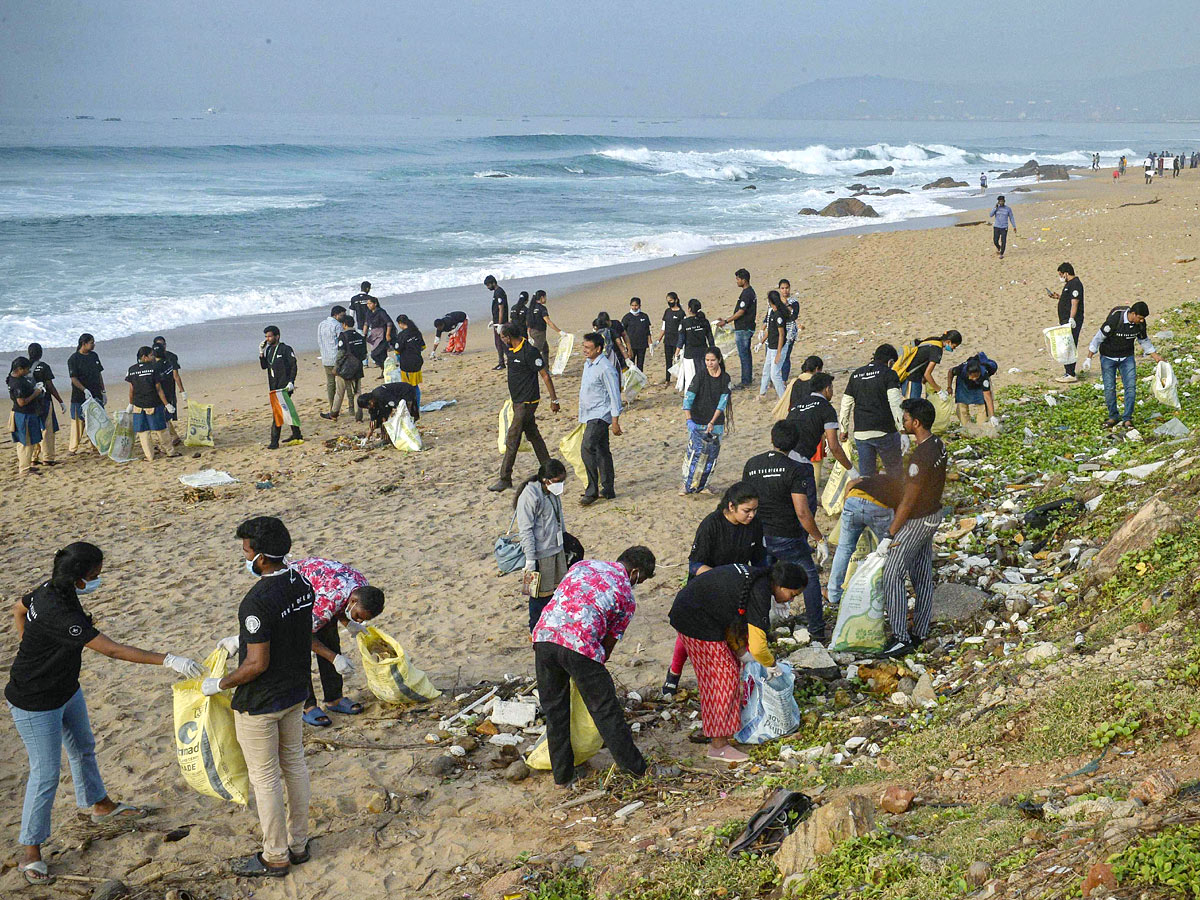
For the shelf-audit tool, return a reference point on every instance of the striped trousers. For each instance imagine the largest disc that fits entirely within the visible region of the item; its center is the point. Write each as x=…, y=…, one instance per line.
x=718, y=675
x=911, y=554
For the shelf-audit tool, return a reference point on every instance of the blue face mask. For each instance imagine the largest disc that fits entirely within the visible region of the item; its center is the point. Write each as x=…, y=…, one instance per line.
x=250, y=565
x=949, y=349
x=89, y=586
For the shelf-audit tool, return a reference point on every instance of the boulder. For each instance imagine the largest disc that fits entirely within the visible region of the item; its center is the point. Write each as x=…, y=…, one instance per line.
x=848, y=206
x=1026, y=170
x=896, y=800
x=814, y=661
x=891, y=192
x=943, y=183
x=871, y=172
x=502, y=885
x=953, y=602
x=1136, y=533
x=809, y=211
x=1055, y=173
x=832, y=823
x=857, y=187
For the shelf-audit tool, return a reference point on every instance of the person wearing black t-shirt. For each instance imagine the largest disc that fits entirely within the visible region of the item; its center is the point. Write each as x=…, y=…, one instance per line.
x=380, y=331
x=695, y=340
x=408, y=344
x=785, y=488
x=909, y=542
x=271, y=683
x=384, y=400
x=518, y=316
x=801, y=385
x=720, y=601
x=358, y=306
x=537, y=320
x=775, y=336
x=929, y=354
x=48, y=706
x=668, y=335
x=348, y=369
x=817, y=421
x=525, y=364
x=793, y=327
x=745, y=320
x=87, y=382
x=172, y=384
x=871, y=412
x=499, y=316
x=1124, y=326
x=280, y=362
x=41, y=373
x=148, y=405
x=26, y=414
x=637, y=331
x=453, y=325
x=1070, y=312
x=971, y=382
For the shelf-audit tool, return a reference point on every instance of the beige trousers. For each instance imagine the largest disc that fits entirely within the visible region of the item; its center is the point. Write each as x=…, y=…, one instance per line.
x=148, y=438
x=965, y=412
x=24, y=457
x=273, y=745
x=78, y=436
x=45, y=450
x=347, y=391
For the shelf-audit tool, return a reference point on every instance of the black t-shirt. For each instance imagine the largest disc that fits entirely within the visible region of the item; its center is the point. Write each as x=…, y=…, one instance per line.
x=535, y=316
x=748, y=304
x=777, y=478
x=87, y=368
x=637, y=326
x=451, y=320
x=927, y=467
x=801, y=388
x=713, y=601
x=389, y=396
x=353, y=349
x=812, y=415
x=776, y=322
x=358, y=306
x=524, y=366
x=672, y=319
x=278, y=609
x=697, y=337
x=926, y=353
x=18, y=389
x=409, y=342
x=1119, y=334
x=45, y=673
x=167, y=367
x=41, y=373
x=499, y=306
x=869, y=386
x=719, y=542
x=884, y=488
x=1072, y=290
x=144, y=378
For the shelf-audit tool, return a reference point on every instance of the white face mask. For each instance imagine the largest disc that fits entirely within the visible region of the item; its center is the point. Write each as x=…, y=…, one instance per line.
x=557, y=488
x=250, y=565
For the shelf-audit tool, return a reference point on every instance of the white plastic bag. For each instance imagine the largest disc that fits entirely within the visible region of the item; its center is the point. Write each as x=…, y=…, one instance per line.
x=1166, y=388
x=566, y=343
x=1061, y=344
x=98, y=425
x=122, y=438
x=402, y=430
x=632, y=382
x=860, y=621
x=770, y=710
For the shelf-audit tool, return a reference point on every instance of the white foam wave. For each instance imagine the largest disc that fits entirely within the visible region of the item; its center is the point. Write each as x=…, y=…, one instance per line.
x=41, y=205
x=493, y=173
x=1070, y=158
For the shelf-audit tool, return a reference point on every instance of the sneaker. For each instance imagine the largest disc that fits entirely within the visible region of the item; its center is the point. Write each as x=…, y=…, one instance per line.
x=1066, y=379
x=500, y=486
x=587, y=500
x=1110, y=423
x=298, y=859
x=293, y=442
x=670, y=685
x=497, y=368
x=330, y=416
x=729, y=754
x=897, y=650
x=272, y=446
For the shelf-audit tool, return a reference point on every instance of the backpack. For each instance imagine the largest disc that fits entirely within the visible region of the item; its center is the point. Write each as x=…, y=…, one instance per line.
x=903, y=366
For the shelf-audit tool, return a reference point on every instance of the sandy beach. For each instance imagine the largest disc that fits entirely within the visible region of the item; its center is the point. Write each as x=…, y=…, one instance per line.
x=421, y=526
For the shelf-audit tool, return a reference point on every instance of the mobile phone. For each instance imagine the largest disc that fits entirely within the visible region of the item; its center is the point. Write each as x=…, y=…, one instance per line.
x=1049, y=293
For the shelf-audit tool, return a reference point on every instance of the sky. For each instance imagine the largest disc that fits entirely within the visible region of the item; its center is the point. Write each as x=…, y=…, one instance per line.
x=547, y=57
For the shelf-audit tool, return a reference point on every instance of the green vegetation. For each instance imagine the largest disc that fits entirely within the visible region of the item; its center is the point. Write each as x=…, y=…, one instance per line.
x=710, y=873
x=1170, y=859
x=574, y=884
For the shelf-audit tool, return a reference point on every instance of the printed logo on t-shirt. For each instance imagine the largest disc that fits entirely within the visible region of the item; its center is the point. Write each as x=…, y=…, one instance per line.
x=75, y=630
x=913, y=470
x=539, y=363
x=253, y=624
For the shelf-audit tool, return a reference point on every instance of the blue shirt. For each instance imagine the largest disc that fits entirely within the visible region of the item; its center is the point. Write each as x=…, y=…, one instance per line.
x=599, y=390
x=1003, y=216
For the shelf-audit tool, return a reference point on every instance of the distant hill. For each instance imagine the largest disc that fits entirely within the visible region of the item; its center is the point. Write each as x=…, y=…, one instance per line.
x=1164, y=96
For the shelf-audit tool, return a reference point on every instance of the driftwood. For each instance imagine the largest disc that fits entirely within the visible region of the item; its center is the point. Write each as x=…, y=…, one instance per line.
x=1143, y=203
x=968, y=224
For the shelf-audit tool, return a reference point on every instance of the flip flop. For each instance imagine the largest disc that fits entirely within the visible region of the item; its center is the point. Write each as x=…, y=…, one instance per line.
x=345, y=706
x=120, y=811
x=255, y=867
x=317, y=718
x=36, y=873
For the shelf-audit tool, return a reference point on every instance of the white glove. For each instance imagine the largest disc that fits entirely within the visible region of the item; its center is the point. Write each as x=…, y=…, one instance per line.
x=943, y=394
x=355, y=627
x=229, y=644
x=183, y=396
x=882, y=549
x=905, y=443
x=290, y=387
x=774, y=671
x=62, y=407
x=822, y=554
x=1071, y=322
x=188, y=668
x=129, y=409
x=171, y=407
x=343, y=665
x=854, y=474
x=40, y=387
x=530, y=565
x=87, y=395
x=1087, y=364
x=210, y=686
x=994, y=422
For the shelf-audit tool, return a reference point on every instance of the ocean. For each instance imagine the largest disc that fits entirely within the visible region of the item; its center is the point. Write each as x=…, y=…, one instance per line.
x=144, y=224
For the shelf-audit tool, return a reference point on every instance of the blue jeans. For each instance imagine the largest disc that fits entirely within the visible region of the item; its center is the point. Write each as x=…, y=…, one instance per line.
x=1128, y=369
x=771, y=374
x=743, y=340
x=45, y=733
x=885, y=449
x=912, y=390
x=796, y=550
x=786, y=368
x=857, y=516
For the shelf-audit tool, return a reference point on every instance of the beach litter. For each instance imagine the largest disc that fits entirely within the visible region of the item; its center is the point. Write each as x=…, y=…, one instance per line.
x=207, y=478
x=435, y=405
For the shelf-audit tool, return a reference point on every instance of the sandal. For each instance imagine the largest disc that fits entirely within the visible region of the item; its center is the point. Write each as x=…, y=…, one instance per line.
x=299, y=859
x=729, y=754
x=317, y=718
x=36, y=873
x=120, y=811
x=255, y=867
x=345, y=706
x=1110, y=423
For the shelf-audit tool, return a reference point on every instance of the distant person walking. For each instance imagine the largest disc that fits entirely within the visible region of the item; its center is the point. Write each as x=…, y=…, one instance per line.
x=525, y=364
x=695, y=339
x=280, y=363
x=1003, y=216
x=745, y=320
x=358, y=306
x=637, y=332
x=84, y=369
x=599, y=410
x=1070, y=312
x=499, y=317
x=348, y=368
x=1148, y=165
x=1124, y=326
x=982, y=182
x=672, y=321
x=775, y=337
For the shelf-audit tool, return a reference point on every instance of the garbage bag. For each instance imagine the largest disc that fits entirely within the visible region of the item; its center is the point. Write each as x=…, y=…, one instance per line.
x=685, y=372
x=724, y=340
x=698, y=462
x=632, y=382
x=833, y=498
x=943, y=412
x=562, y=354
x=860, y=622
x=506, y=414
x=867, y=543
x=98, y=425
x=585, y=739
x=402, y=430
x=1060, y=343
x=122, y=438
x=199, y=425
x=390, y=676
x=206, y=744
x=571, y=448
x=770, y=710
x=1166, y=388
x=391, y=369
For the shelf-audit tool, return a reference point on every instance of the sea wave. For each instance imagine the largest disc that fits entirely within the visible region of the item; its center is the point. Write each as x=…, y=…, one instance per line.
x=18, y=207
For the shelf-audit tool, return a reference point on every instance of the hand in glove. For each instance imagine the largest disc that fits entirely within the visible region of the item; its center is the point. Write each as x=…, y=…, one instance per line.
x=905, y=444
x=171, y=408
x=882, y=549
x=994, y=422
x=229, y=644
x=188, y=668
x=129, y=409
x=822, y=554
x=774, y=672
x=355, y=627
x=183, y=396
x=1087, y=364
x=291, y=386
x=87, y=395
x=343, y=665
x=530, y=565
x=944, y=394
x=210, y=686
x=1071, y=323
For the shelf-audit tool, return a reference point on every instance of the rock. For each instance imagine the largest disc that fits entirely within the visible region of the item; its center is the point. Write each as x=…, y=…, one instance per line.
x=857, y=187
x=514, y=713
x=1099, y=875
x=467, y=743
x=504, y=740
x=899, y=698
x=1044, y=650
x=924, y=694
x=374, y=800
x=1100, y=808
x=1022, y=190
x=891, y=192
x=809, y=211
x=848, y=206
x=1026, y=170
x=517, y=771
x=110, y=890
x=1157, y=787
x=855, y=742
x=814, y=661
x=1172, y=428
x=1136, y=533
x=443, y=766
x=896, y=800
x=1017, y=604
x=906, y=684
x=841, y=699
x=1055, y=173
x=1163, y=335
x=887, y=170
x=953, y=602
x=828, y=826
x=499, y=886
x=943, y=183
x=978, y=872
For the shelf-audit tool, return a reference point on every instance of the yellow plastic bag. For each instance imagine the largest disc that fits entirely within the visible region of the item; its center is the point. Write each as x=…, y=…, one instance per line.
x=390, y=676
x=585, y=739
x=943, y=412
x=571, y=448
x=833, y=498
x=391, y=369
x=402, y=430
x=566, y=343
x=122, y=438
x=506, y=414
x=199, y=425
x=206, y=744
x=1061, y=344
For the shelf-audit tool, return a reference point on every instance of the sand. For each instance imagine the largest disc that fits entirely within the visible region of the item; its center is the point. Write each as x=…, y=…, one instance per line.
x=174, y=573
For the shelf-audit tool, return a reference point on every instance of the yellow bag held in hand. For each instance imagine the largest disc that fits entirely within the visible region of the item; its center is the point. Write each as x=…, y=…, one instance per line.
x=833, y=498
x=389, y=675
x=585, y=739
x=571, y=448
x=199, y=425
x=205, y=740
x=506, y=414
x=943, y=409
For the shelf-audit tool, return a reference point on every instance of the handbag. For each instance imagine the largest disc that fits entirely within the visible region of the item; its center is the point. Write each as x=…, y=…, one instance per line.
x=508, y=552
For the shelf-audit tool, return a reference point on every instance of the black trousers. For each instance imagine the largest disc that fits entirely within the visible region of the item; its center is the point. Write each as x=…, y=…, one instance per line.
x=597, y=459
x=500, y=346
x=1000, y=238
x=669, y=351
x=524, y=422
x=331, y=681
x=639, y=357
x=277, y=430
x=1069, y=369
x=556, y=666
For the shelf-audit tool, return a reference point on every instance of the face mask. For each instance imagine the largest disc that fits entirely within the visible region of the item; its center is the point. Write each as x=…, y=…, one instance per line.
x=89, y=586
x=556, y=488
x=949, y=349
x=250, y=565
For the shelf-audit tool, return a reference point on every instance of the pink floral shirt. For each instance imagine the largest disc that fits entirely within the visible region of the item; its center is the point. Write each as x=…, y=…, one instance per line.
x=333, y=583
x=593, y=602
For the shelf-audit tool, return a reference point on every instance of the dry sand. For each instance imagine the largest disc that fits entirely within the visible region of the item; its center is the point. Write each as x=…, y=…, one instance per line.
x=174, y=573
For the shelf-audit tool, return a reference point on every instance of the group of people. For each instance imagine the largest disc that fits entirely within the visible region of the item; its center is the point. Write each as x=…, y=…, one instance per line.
x=1159, y=163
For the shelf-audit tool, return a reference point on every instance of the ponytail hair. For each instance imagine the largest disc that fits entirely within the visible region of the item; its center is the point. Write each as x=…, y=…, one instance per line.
x=551, y=468
x=19, y=363
x=73, y=563
x=695, y=308
x=737, y=494
x=947, y=337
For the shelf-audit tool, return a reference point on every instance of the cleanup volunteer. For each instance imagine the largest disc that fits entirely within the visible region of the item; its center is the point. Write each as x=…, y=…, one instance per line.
x=84, y=369
x=871, y=412
x=26, y=414
x=280, y=364
x=929, y=354
x=705, y=404
x=41, y=373
x=525, y=364
x=539, y=521
x=148, y=405
x=1124, y=326
x=172, y=384
x=599, y=411
x=1070, y=312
